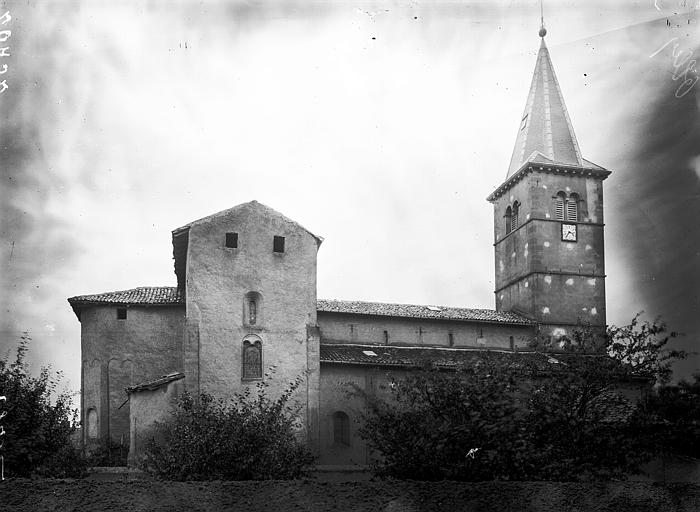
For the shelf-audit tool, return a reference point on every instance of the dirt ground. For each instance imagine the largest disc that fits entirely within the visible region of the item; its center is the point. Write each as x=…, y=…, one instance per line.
x=390, y=496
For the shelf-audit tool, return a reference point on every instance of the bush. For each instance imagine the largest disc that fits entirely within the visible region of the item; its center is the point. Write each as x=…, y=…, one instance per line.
x=38, y=433
x=513, y=418
x=252, y=437
x=675, y=410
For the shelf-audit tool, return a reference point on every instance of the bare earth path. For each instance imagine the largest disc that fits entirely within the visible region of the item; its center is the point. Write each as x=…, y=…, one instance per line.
x=148, y=495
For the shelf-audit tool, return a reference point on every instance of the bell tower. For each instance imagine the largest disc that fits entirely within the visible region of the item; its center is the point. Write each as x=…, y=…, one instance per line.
x=548, y=217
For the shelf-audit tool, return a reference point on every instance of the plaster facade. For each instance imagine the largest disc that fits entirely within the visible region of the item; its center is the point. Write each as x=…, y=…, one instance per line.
x=116, y=354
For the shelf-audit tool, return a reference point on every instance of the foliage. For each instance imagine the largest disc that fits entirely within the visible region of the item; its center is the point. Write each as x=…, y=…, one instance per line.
x=252, y=437
x=108, y=454
x=675, y=410
x=39, y=433
x=517, y=417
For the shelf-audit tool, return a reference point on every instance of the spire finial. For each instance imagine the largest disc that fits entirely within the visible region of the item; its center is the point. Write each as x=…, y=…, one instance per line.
x=543, y=31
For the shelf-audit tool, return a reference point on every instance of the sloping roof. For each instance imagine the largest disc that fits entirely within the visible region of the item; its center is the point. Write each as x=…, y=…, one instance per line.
x=418, y=311
x=156, y=383
x=545, y=126
x=143, y=295
x=416, y=357
x=172, y=296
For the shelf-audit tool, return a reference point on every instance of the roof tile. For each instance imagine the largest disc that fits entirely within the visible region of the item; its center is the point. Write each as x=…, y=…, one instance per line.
x=413, y=357
x=156, y=295
x=418, y=311
x=171, y=295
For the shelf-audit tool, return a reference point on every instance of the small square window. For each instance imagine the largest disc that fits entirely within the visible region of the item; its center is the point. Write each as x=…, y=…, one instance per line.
x=278, y=244
x=232, y=240
x=121, y=313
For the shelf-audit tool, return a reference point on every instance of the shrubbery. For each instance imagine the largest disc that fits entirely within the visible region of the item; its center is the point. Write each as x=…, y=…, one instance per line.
x=38, y=432
x=251, y=437
x=509, y=418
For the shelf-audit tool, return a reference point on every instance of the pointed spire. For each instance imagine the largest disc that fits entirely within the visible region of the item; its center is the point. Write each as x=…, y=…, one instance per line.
x=545, y=128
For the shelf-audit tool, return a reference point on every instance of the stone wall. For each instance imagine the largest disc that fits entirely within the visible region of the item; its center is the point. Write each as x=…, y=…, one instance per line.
x=554, y=282
x=120, y=353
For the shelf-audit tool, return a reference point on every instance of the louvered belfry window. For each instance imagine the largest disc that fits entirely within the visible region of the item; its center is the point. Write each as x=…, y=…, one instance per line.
x=559, y=207
x=509, y=215
x=572, y=209
x=514, y=218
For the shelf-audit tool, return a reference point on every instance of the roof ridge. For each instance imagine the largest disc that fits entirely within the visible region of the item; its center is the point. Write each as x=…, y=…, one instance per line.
x=405, y=304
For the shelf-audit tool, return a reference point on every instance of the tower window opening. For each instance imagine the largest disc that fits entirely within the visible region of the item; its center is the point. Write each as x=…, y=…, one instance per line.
x=514, y=218
x=232, y=240
x=451, y=339
x=509, y=215
x=572, y=208
x=559, y=206
x=121, y=313
x=523, y=122
x=278, y=244
x=386, y=337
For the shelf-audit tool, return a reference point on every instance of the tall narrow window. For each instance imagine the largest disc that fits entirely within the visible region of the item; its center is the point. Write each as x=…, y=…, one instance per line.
x=252, y=312
x=514, y=218
x=559, y=206
x=511, y=341
x=572, y=208
x=341, y=429
x=509, y=215
x=121, y=313
x=252, y=359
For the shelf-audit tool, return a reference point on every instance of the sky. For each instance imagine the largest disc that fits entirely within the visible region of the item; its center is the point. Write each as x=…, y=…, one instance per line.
x=380, y=126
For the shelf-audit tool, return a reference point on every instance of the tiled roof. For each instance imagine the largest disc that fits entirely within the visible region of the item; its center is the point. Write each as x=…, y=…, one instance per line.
x=413, y=357
x=171, y=295
x=156, y=383
x=417, y=311
x=147, y=295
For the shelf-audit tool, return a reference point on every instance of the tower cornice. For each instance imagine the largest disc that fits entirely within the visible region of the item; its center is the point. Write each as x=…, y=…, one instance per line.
x=553, y=168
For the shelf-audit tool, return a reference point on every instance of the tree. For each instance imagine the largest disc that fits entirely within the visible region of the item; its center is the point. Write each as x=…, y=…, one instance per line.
x=38, y=430
x=557, y=413
x=675, y=412
x=251, y=437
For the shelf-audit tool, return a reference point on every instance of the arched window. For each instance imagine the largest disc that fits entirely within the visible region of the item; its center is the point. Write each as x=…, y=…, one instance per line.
x=572, y=208
x=92, y=424
x=509, y=215
x=252, y=358
x=559, y=201
x=252, y=311
x=341, y=429
x=514, y=218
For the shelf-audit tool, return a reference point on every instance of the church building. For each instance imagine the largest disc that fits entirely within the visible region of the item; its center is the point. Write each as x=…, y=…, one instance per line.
x=245, y=302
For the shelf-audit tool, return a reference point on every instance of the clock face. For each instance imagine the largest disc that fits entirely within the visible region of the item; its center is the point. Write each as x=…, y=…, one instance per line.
x=568, y=232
